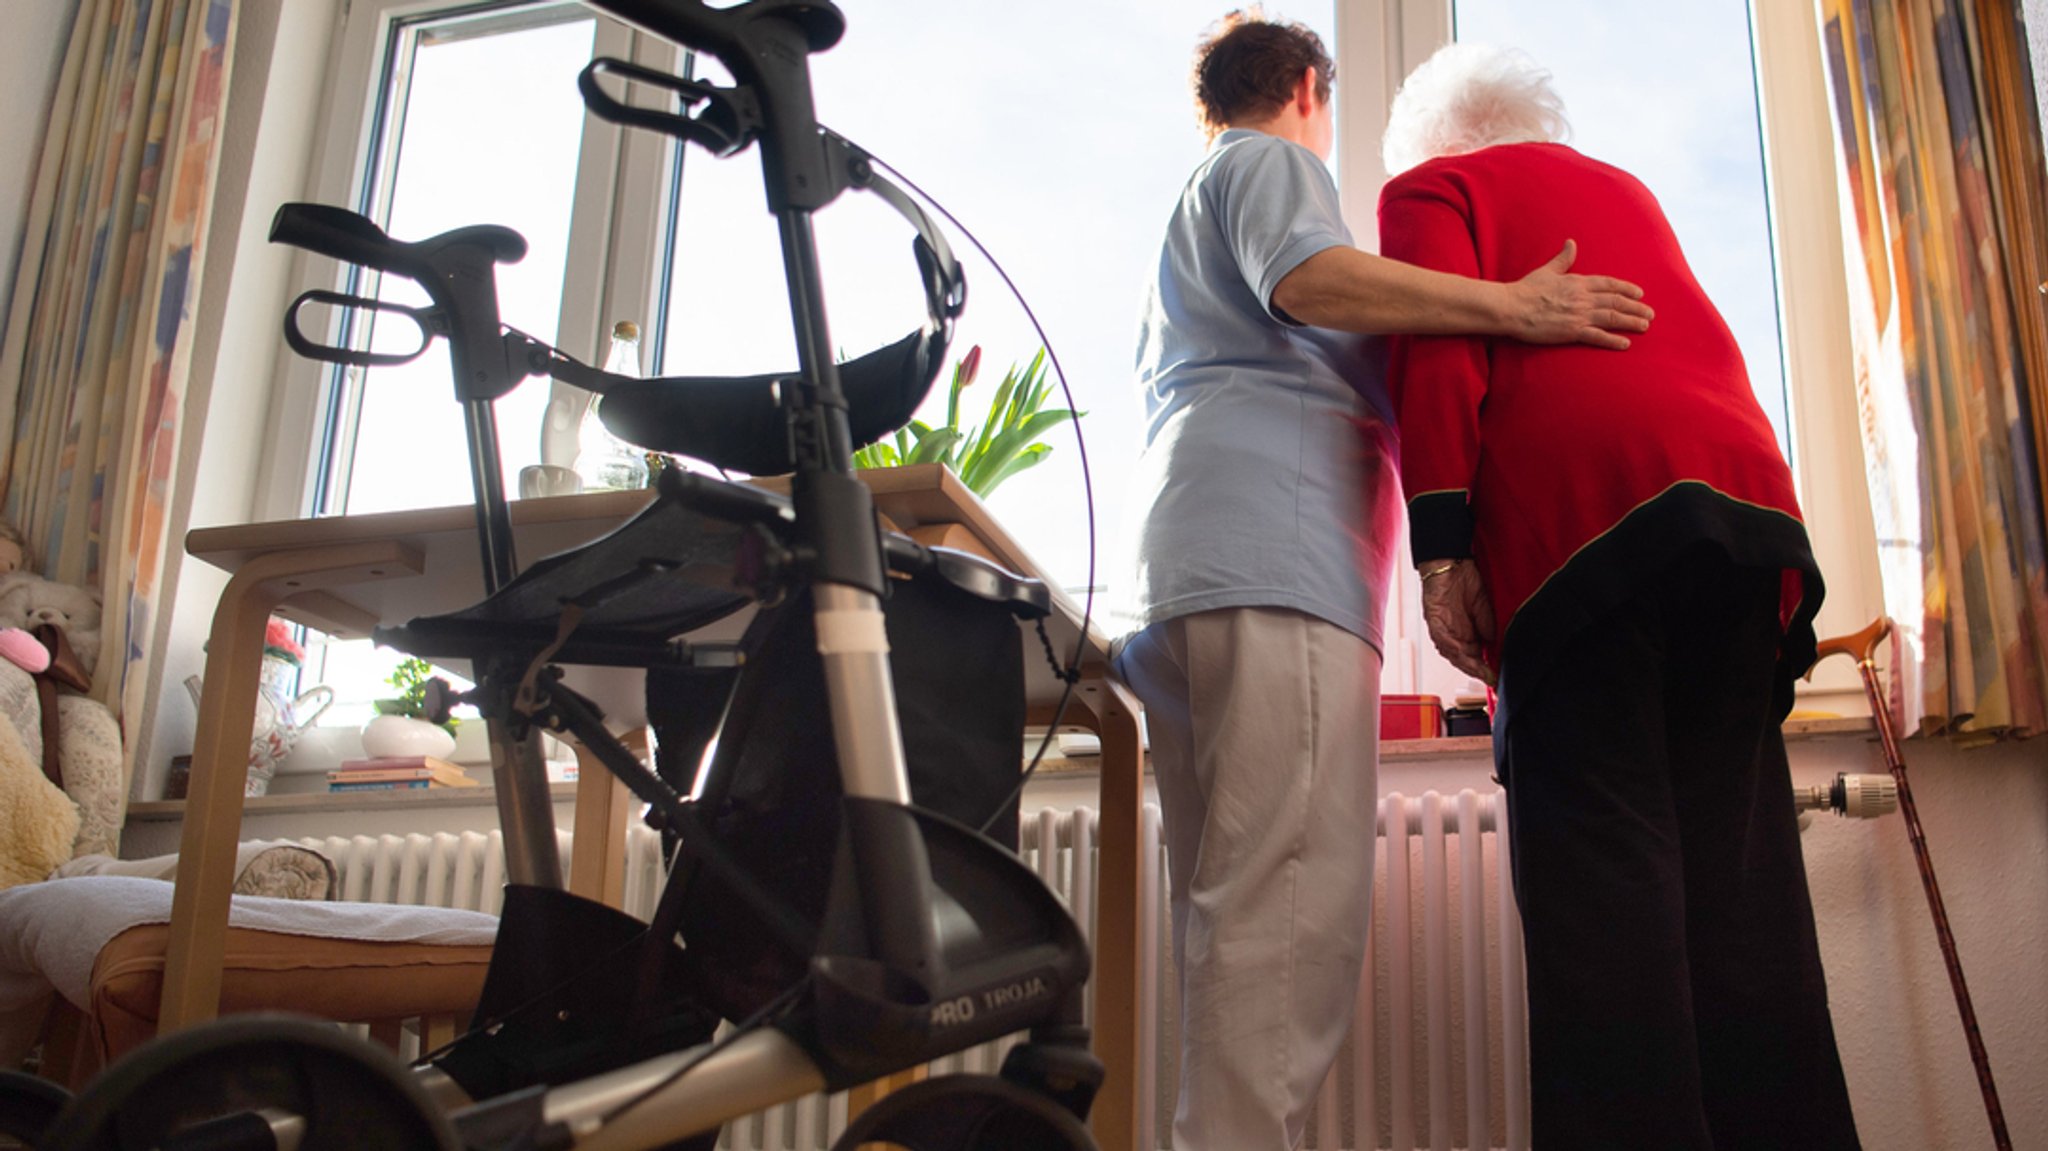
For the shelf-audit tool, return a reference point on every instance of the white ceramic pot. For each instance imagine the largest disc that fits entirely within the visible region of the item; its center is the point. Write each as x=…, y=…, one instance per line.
x=401, y=735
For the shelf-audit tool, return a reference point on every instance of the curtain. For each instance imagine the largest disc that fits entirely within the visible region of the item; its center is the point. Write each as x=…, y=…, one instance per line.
x=96, y=345
x=1941, y=169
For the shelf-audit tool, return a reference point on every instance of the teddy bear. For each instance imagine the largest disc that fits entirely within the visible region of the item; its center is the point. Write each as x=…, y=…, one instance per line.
x=29, y=601
x=17, y=646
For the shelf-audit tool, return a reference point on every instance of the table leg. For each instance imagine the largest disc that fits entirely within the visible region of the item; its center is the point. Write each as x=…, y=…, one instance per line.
x=597, y=855
x=220, y=756
x=1113, y=712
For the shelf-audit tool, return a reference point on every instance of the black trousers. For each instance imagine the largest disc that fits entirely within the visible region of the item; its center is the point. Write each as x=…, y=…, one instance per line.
x=1676, y=999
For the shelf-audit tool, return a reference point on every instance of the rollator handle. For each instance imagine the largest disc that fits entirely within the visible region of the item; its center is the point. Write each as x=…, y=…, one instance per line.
x=766, y=45
x=354, y=239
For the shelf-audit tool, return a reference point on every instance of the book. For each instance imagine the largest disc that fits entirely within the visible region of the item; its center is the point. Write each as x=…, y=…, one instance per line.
x=385, y=785
x=400, y=769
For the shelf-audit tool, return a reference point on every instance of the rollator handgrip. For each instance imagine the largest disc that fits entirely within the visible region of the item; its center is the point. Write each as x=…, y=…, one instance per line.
x=353, y=239
x=335, y=232
x=720, y=31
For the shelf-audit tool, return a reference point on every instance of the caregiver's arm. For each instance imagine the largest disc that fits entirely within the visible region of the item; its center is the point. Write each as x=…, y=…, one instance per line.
x=1356, y=291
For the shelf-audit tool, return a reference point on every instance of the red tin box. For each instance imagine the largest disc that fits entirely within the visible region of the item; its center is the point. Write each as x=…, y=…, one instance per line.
x=1411, y=717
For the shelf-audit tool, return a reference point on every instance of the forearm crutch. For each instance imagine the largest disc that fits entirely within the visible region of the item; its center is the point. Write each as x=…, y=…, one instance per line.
x=1860, y=646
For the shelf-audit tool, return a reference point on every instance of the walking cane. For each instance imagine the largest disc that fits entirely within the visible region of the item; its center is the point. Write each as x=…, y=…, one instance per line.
x=1860, y=646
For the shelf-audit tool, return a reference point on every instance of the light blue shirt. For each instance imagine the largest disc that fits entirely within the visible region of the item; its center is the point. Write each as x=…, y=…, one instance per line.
x=1269, y=472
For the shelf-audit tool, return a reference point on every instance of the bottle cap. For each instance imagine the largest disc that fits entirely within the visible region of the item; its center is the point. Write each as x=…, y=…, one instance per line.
x=625, y=330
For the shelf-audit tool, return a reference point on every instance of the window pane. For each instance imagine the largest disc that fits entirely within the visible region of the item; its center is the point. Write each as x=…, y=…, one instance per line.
x=482, y=126
x=487, y=129
x=1672, y=100
x=1063, y=151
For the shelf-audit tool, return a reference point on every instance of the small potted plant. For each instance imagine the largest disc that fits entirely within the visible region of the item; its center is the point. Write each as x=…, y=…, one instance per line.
x=404, y=725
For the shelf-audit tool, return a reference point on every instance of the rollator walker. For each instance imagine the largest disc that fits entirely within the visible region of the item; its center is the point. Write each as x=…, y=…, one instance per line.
x=845, y=900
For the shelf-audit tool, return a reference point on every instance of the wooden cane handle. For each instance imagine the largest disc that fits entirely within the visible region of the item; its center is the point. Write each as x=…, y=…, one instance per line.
x=1856, y=645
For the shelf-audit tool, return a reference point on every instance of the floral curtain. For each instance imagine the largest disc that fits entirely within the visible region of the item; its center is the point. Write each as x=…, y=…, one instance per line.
x=96, y=346
x=1942, y=180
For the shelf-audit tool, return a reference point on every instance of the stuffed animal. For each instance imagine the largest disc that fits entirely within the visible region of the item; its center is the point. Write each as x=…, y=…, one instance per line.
x=14, y=555
x=16, y=645
x=29, y=601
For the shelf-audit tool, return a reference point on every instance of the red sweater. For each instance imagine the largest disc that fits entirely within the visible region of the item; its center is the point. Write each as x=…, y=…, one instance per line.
x=1571, y=473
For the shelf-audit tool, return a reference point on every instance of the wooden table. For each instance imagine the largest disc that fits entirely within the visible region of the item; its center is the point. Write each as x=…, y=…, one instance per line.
x=345, y=575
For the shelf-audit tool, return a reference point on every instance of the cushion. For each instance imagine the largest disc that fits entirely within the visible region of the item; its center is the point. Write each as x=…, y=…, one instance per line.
x=343, y=960
x=352, y=980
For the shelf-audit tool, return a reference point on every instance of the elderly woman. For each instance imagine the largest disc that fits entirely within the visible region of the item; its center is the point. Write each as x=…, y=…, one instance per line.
x=1614, y=536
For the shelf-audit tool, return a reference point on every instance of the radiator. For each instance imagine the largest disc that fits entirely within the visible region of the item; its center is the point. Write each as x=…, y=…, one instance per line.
x=1447, y=1071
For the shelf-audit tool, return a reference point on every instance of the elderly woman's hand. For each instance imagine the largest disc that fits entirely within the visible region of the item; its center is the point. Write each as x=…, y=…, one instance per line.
x=1556, y=307
x=1460, y=615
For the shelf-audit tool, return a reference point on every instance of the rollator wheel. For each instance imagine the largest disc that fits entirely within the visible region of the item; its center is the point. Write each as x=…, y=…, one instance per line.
x=966, y=1113
x=231, y=1084
x=27, y=1107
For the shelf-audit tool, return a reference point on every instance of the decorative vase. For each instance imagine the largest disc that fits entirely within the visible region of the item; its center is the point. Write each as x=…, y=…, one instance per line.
x=391, y=736
x=280, y=717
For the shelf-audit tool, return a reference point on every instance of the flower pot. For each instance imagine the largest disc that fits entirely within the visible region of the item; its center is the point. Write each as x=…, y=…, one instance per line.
x=389, y=736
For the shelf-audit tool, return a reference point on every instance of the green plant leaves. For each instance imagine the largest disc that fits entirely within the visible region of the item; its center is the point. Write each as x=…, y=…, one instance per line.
x=985, y=455
x=410, y=678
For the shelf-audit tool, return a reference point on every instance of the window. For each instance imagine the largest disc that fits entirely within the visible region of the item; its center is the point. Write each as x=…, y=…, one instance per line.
x=1065, y=170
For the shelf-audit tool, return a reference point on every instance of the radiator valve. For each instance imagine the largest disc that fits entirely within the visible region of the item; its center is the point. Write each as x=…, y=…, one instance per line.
x=1854, y=796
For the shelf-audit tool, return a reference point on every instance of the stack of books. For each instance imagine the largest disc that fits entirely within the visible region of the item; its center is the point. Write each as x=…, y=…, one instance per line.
x=397, y=773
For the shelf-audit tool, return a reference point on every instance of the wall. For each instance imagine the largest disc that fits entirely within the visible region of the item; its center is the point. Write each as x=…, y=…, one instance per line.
x=1985, y=816
x=31, y=54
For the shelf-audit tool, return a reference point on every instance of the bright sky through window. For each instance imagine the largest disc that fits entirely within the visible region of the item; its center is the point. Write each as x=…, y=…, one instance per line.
x=488, y=134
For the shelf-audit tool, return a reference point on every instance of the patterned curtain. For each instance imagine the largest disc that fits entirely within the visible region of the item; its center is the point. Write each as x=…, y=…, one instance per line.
x=1942, y=180
x=96, y=346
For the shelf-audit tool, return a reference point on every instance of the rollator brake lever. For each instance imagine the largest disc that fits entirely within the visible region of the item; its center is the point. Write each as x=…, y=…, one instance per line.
x=722, y=121
x=429, y=322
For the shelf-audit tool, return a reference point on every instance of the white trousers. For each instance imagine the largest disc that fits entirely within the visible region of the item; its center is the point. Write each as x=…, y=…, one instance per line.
x=1264, y=727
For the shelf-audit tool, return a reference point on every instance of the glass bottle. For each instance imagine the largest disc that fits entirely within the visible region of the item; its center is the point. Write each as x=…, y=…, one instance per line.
x=604, y=461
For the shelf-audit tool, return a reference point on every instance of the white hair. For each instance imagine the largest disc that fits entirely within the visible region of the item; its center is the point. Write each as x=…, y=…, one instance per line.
x=1467, y=97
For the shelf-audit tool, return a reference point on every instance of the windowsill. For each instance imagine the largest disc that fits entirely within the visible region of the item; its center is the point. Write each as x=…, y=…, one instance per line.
x=1471, y=747
x=163, y=810
x=1478, y=748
